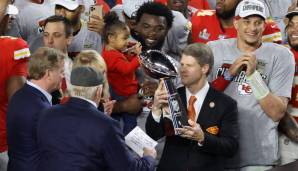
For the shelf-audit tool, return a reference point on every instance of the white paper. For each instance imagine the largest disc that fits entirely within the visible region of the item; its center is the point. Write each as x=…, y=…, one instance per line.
x=137, y=139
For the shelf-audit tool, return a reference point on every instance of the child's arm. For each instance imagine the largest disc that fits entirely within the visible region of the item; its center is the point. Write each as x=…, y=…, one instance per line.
x=125, y=67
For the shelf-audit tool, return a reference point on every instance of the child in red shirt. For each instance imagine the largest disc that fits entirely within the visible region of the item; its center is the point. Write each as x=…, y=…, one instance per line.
x=121, y=65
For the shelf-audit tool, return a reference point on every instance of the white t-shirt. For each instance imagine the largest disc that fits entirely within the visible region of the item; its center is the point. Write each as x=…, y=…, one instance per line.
x=258, y=142
x=85, y=39
x=26, y=23
x=277, y=10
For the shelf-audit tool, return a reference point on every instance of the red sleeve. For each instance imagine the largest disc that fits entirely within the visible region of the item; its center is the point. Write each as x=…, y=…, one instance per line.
x=106, y=7
x=20, y=68
x=199, y=4
x=20, y=58
x=206, y=5
x=272, y=32
x=220, y=84
x=118, y=62
x=161, y=1
x=20, y=44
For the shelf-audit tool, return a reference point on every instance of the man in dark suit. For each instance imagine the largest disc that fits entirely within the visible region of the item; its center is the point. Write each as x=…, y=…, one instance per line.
x=77, y=136
x=212, y=134
x=46, y=68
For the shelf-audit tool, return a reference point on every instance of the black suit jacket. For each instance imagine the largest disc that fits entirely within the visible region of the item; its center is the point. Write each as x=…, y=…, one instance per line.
x=180, y=154
x=76, y=136
x=22, y=115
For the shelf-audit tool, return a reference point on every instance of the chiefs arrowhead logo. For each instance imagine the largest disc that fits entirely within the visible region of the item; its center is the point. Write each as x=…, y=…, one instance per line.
x=213, y=130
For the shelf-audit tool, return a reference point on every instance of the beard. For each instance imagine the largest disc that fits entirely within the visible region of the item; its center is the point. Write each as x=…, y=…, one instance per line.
x=139, y=38
x=74, y=21
x=226, y=14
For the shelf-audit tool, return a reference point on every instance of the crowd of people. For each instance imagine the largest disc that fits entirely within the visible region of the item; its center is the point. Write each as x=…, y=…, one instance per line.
x=74, y=84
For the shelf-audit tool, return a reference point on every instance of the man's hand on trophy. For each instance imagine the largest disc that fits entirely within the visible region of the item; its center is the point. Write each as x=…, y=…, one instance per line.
x=160, y=99
x=192, y=132
x=166, y=112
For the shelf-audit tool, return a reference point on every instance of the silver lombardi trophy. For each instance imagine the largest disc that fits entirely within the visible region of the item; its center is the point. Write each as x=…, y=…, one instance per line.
x=158, y=65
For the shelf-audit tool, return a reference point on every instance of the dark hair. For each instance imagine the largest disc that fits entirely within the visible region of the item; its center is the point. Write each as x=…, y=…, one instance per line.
x=65, y=21
x=201, y=52
x=289, y=17
x=158, y=9
x=112, y=24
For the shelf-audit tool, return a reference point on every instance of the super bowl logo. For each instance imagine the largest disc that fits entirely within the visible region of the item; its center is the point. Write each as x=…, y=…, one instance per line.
x=204, y=34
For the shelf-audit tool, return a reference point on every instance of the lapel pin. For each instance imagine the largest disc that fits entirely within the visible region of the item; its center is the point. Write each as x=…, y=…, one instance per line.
x=211, y=104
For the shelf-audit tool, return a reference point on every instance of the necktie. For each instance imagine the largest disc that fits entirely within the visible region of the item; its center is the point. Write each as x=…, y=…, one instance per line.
x=191, y=109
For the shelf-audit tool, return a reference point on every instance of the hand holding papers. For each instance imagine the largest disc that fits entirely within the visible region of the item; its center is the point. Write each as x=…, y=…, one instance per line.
x=137, y=140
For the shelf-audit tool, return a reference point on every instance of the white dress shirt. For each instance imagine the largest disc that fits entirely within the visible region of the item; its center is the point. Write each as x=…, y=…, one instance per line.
x=200, y=95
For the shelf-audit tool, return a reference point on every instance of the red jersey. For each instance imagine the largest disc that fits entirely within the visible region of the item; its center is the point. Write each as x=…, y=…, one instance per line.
x=293, y=104
x=121, y=72
x=106, y=7
x=193, y=5
x=206, y=27
x=199, y=4
x=14, y=53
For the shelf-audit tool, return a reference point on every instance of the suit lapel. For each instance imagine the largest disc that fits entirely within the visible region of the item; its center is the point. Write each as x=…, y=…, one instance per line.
x=206, y=105
x=206, y=108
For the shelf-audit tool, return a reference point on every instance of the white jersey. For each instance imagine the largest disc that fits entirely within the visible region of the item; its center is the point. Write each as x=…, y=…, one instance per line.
x=258, y=143
x=277, y=10
x=26, y=23
x=177, y=36
x=85, y=39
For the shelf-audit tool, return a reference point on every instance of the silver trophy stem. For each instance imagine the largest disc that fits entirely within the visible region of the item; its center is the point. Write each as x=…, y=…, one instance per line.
x=177, y=110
